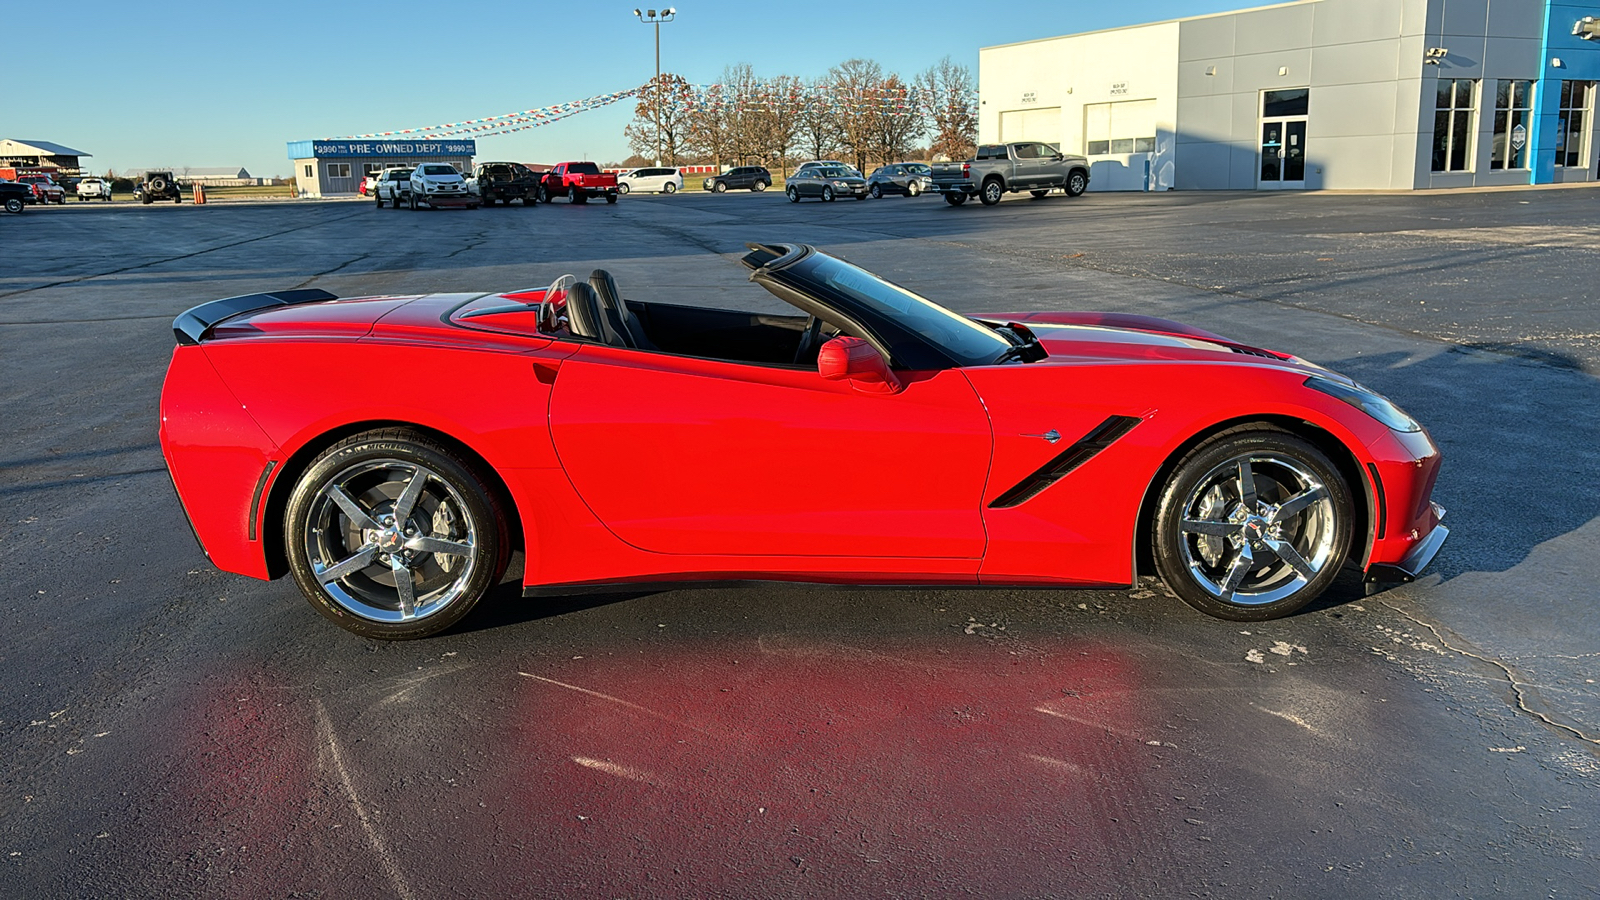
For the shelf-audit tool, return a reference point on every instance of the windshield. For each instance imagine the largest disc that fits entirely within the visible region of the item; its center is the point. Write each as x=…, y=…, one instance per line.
x=835, y=172
x=919, y=168
x=439, y=170
x=583, y=168
x=964, y=340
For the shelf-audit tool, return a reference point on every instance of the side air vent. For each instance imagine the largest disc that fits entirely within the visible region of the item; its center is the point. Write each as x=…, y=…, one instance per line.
x=1104, y=435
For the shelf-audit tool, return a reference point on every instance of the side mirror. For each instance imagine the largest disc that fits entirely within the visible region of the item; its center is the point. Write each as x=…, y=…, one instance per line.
x=854, y=360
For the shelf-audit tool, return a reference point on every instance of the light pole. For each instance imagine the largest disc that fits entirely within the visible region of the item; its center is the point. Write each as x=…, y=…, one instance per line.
x=656, y=17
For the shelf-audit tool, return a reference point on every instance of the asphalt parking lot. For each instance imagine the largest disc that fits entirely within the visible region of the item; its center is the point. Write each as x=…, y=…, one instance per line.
x=168, y=729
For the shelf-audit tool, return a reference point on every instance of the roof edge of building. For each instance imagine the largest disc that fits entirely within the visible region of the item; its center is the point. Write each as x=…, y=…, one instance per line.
x=1181, y=19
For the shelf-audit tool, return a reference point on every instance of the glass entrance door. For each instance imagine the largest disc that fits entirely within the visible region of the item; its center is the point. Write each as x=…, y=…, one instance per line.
x=1283, y=138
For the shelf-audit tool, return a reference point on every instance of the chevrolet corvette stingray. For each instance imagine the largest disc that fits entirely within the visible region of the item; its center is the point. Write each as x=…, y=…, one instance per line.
x=393, y=453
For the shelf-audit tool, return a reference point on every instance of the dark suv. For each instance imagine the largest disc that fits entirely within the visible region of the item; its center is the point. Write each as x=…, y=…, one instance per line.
x=755, y=178
x=158, y=186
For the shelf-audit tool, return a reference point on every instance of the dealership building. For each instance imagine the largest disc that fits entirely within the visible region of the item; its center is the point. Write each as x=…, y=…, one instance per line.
x=1314, y=94
x=335, y=168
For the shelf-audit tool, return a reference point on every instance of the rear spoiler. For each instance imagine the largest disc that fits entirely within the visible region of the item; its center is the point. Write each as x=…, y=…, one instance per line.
x=193, y=325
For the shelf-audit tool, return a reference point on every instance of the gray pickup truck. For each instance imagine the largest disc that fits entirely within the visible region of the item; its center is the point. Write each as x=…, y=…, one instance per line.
x=999, y=169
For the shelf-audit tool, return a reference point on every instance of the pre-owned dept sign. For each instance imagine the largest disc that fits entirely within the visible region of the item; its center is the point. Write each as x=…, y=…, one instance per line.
x=394, y=148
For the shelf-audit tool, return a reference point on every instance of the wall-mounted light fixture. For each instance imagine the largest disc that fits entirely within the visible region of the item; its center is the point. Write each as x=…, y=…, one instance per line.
x=1211, y=70
x=1587, y=28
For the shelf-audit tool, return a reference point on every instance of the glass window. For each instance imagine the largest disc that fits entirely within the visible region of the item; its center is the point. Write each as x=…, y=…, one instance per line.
x=1280, y=104
x=338, y=170
x=1452, y=125
x=309, y=173
x=1127, y=126
x=1513, y=109
x=1573, y=127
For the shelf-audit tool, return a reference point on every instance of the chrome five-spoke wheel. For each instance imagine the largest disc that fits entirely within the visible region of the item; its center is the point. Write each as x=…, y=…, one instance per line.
x=1252, y=525
x=393, y=536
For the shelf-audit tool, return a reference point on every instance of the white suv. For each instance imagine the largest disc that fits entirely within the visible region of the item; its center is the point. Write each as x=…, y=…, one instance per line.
x=438, y=185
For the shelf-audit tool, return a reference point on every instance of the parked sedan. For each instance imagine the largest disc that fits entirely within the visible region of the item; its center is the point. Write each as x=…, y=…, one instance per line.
x=755, y=178
x=826, y=182
x=909, y=179
x=661, y=180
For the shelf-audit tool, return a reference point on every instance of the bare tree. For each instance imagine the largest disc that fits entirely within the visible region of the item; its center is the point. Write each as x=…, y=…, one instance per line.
x=857, y=86
x=818, y=125
x=783, y=102
x=952, y=108
x=708, y=124
x=661, y=119
x=898, y=121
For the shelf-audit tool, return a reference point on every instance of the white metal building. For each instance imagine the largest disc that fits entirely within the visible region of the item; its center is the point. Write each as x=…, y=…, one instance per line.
x=1346, y=94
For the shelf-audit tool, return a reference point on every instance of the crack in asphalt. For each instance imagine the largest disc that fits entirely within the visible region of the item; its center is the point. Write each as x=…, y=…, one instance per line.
x=1517, y=685
x=157, y=262
x=346, y=263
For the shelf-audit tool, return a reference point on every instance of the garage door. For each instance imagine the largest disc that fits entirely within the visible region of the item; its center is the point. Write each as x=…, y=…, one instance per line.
x=1031, y=125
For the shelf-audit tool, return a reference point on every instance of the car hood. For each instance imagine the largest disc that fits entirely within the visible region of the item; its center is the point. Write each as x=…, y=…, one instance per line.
x=1074, y=337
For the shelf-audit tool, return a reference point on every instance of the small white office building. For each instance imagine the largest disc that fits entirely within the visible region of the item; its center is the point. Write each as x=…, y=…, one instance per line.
x=1314, y=94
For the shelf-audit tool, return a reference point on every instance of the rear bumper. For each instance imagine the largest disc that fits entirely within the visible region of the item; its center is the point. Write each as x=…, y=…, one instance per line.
x=960, y=187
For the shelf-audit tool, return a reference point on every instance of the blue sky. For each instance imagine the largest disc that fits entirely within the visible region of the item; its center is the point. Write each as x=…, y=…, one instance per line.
x=229, y=84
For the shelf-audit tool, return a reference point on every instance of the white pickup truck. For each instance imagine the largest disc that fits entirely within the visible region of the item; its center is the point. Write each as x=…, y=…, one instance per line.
x=393, y=186
x=93, y=188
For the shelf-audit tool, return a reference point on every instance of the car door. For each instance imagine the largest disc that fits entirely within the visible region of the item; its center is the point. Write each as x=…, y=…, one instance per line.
x=685, y=455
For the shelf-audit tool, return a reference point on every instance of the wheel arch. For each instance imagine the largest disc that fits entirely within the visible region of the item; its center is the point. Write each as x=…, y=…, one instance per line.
x=272, y=512
x=1337, y=451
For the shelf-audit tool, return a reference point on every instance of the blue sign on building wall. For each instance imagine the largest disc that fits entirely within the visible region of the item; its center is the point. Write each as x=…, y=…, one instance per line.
x=385, y=147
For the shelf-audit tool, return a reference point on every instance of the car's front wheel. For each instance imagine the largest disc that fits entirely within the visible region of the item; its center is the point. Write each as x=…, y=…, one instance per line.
x=827, y=194
x=794, y=195
x=1077, y=183
x=391, y=535
x=720, y=188
x=13, y=205
x=623, y=188
x=1253, y=524
x=877, y=192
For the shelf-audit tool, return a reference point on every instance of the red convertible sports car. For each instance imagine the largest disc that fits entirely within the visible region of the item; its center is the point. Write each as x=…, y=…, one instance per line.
x=393, y=452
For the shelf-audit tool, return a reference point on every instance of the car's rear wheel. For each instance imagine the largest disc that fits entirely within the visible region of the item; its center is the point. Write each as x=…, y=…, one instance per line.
x=393, y=536
x=759, y=186
x=669, y=188
x=1253, y=524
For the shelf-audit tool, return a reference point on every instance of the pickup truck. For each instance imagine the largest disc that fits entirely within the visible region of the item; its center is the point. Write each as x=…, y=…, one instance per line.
x=577, y=181
x=93, y=188
x=999, y=169
x=393, y=186
x=45, y=189
x=504, y=182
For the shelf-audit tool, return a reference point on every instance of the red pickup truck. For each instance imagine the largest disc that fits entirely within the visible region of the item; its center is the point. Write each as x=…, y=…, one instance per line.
x=577, y=181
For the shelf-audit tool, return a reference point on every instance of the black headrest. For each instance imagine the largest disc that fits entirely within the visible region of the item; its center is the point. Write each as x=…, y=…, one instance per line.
x=583, y=312
x=606, y=287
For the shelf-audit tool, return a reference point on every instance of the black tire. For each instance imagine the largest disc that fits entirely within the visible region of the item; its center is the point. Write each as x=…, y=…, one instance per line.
x=861, y=196
x=991, y=192
x=529, y=198
x=794, y=195
x=488, y=200
x=379, y=198
x=758, y=186
x=544, y=194
x=611, y=197
x=913, y=189
x=15, y=205
x=1206, y=537
x=413, y=201
x=455, y=510
x=1077, y=183
x=955, y=198
x=669, y=188
x=720, y=188
x=1040, y=194
x=876, y=191
x=827, y=193
x=148, y=200
x=623, y=188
